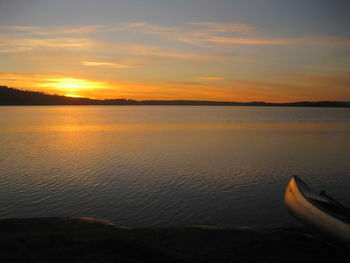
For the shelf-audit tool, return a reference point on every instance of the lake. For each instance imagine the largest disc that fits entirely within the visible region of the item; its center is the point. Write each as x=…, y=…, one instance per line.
x=142, y=166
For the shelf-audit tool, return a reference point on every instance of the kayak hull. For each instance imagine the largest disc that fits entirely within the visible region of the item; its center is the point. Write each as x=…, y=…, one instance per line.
x=300, y=201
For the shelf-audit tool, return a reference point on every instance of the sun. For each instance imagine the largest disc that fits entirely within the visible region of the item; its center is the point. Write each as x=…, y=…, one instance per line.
x=72, y=87
x=72, y=96
x=68, y=83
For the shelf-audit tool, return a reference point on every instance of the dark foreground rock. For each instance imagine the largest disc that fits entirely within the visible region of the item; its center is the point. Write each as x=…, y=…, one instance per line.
x=88, y=240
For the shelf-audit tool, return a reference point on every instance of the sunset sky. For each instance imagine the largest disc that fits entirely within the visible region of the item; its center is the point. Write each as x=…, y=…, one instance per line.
x=227, y=50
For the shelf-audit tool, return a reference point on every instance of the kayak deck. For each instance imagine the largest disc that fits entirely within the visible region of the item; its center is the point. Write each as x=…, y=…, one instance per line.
x=338, y=211
x=324, y=202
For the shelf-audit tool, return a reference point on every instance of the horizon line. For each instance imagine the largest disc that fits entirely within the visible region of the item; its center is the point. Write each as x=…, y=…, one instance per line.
x=75, y=97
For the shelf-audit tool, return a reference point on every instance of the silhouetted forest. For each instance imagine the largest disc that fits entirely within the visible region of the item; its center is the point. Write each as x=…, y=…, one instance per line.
x=12, y=96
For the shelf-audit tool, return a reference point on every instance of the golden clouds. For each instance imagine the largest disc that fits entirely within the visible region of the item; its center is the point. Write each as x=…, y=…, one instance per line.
x=228, y=34
x=20, y=28
x=246, y=41
x=204, y=33
x=87, y=38
x=34, y=30
x=33, y=44
x=106, y=64
x=195, y=60
x=205, y=78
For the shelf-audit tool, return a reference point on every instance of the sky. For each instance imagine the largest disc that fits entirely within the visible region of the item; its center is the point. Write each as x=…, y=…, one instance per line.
x=226, y=50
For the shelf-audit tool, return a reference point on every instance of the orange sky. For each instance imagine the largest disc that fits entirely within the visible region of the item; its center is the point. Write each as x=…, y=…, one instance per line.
x=189, y=56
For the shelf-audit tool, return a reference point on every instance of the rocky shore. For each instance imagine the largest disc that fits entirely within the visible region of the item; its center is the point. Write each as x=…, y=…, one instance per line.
x=90, y=240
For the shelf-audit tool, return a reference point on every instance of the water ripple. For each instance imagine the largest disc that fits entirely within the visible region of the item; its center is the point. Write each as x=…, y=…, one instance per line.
x=179, y=165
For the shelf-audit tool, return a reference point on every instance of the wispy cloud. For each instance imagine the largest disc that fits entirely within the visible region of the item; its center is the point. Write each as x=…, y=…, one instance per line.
x=26, y=38
x=246, y=41
x=201, y=33
x=208, y=78
x=224, y=27
x=106, y=64
x=158, y=52
x=53, y=30
x=25, y=44
x=82, y=30
x=37, y=39
x=12, y=49
x=19, y=28
x=190, y=28
x=205, y=34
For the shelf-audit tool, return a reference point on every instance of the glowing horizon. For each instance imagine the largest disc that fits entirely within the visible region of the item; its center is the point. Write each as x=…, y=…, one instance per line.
x=233, y=56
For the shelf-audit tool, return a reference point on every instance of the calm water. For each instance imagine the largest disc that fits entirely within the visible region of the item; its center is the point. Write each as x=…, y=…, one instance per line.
x=159, y=165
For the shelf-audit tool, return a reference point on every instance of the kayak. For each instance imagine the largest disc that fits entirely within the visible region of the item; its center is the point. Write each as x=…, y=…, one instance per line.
x=317, y=210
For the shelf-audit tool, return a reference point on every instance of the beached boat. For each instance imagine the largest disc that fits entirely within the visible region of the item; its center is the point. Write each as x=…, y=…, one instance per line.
x=318, y=210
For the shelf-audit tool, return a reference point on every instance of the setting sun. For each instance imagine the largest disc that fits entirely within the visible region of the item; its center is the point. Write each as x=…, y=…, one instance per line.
x=61, y=85
x=72, y=96
x=71, y=83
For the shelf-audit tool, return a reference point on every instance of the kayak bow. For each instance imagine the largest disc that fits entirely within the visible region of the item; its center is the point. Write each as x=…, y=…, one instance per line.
x=317, y=210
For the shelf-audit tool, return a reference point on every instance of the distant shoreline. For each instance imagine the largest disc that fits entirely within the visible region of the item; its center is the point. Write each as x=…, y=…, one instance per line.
x=172, y=105
x=17, y=97
x=177, y=105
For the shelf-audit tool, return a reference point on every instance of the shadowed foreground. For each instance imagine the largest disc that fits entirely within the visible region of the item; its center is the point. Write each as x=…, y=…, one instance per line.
x=89, y=240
